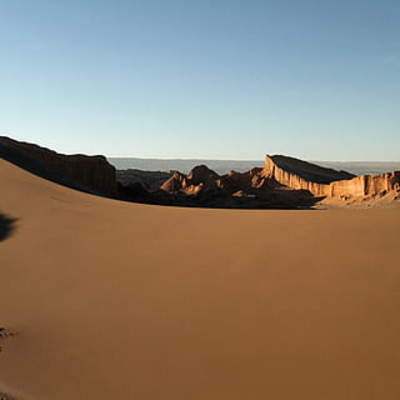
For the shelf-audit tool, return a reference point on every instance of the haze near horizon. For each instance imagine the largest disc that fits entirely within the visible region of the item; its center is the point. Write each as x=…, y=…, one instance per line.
x=205, y=80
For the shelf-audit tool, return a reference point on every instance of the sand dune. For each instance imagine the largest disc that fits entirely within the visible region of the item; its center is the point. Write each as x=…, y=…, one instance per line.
x=115, y=300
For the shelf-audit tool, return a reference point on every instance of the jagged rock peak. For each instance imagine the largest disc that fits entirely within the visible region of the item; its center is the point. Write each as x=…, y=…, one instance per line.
x=201, y=173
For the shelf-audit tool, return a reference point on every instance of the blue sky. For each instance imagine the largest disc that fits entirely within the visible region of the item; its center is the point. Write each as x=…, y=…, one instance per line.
x=222, y=79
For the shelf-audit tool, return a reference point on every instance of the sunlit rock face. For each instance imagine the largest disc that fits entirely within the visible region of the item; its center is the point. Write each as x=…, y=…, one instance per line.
x=327, y=182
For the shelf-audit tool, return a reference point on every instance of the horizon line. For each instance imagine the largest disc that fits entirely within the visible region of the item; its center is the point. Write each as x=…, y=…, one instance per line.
x=246, y=160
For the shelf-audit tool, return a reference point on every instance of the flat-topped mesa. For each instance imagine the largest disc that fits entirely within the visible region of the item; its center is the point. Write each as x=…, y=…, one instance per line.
x=298, y=174
x=92, y=174
x=328, y=182
x=307, y=171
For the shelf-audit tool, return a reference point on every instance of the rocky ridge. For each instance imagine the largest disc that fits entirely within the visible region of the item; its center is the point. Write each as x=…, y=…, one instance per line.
x=203, y=187
x=329, y=183
x=283, y=182
x=92, y=174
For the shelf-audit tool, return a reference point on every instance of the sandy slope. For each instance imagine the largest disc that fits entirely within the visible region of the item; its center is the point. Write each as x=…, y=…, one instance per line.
x=122, y=301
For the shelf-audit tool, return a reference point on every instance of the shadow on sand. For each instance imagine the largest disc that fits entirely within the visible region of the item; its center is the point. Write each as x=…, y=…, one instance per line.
x=7, y=226
x=5, y=396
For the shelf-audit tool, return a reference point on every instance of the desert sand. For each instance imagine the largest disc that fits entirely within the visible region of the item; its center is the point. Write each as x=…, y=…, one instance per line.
x=116, y=300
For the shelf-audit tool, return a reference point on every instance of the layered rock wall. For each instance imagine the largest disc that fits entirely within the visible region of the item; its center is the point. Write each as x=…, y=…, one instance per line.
x=272, y=170
x=366, y=185
x=89, y=173
x=360, y=186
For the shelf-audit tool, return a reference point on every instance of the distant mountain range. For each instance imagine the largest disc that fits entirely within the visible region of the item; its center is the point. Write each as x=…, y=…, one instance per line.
x=225, y=166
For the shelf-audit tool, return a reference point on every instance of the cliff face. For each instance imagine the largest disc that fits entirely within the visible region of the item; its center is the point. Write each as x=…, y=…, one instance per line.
x=291, y=179
x=307, y=171
x=89, y=173
x=328, y=183
x=366, y=185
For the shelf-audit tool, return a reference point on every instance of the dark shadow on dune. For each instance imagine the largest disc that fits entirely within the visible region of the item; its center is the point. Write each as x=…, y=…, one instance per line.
x=7, y=226
x=5, y=396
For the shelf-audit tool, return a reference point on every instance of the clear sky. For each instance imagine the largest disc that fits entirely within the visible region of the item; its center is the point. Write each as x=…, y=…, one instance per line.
x=222, y=79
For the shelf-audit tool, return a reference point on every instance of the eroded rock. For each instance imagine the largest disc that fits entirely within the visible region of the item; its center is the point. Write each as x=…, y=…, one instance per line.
x=88, y=173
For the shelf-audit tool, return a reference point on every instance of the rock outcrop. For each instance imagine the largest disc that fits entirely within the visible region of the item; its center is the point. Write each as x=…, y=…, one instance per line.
x=326, y=182
x=200, y=179
x=204, y=187
x=298, y=174
x=92, y=174
x=284, y=182
x=366, y=186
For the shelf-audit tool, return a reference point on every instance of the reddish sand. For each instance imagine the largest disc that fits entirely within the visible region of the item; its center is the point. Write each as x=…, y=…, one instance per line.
x=115, y=300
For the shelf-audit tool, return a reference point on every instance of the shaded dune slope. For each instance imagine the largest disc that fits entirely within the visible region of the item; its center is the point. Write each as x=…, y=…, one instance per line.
x=126, y=301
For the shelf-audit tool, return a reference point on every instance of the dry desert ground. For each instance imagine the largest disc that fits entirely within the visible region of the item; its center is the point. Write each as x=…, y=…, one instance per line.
x=116, y=300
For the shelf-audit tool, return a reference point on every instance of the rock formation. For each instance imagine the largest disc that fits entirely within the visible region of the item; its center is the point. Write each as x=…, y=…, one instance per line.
x=204, y=187
x=200, y=179
x=88, y=173
x=298, y=174
x=284, y=182
x=326, y=182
